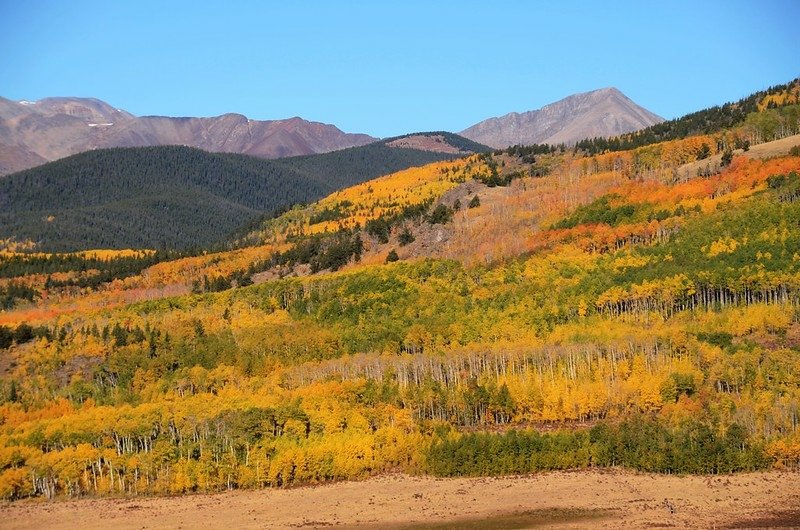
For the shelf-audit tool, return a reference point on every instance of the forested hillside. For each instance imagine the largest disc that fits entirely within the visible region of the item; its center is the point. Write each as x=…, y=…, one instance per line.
x=523, y=310
x=177, y=197
x=708, y=121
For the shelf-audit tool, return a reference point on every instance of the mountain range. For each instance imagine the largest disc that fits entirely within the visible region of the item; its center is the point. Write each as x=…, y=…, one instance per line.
x=33, y=133
x=600, y=113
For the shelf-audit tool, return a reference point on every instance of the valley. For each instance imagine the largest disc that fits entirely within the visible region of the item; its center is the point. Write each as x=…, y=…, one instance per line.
x=403, y=266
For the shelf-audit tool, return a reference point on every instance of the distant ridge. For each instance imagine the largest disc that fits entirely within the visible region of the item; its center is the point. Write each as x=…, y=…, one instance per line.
x=181, y=197
x=601, y=113
x=35, y=132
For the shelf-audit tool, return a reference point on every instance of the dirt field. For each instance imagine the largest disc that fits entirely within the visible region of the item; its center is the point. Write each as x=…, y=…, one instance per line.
x=580, y=499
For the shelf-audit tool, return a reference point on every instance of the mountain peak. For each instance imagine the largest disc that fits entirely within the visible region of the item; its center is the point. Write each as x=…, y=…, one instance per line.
x=606, y=90
x=603, y=112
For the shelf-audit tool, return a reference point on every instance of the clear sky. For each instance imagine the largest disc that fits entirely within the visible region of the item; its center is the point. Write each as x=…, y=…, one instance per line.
x=387, y=68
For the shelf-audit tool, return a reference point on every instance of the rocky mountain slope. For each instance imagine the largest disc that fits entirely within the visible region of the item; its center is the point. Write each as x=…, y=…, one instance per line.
x=32, y=133
x=605, y=112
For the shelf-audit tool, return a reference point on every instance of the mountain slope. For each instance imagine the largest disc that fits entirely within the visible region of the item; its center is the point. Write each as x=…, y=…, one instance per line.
x=766, y=110
x=605, y=112
x=650, y=316
x=52, y=128
x=650, y=353
x=178, y=197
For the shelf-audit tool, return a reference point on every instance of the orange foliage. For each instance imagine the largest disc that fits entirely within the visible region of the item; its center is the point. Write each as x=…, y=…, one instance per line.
x=185, y=270
x=787, y=97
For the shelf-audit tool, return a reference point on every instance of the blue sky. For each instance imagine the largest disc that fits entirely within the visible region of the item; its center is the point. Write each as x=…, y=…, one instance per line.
x=387, y=68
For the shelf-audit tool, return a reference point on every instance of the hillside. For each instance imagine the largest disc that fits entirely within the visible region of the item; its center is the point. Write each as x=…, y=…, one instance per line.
x=34, y=132
x=502, y=313
x=601, y=113
x=635, y=316
x=153, y=197
x=760, y=111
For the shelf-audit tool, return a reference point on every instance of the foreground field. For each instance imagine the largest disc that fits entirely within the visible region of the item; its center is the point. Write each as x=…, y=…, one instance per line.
x=610, y=499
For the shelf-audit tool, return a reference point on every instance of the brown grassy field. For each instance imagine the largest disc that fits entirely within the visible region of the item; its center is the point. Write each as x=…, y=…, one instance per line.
x=579, y=499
